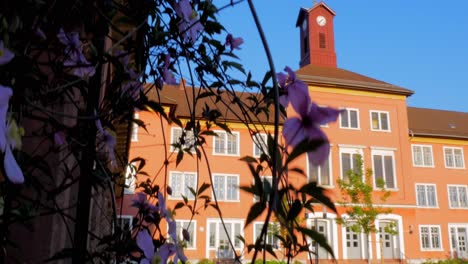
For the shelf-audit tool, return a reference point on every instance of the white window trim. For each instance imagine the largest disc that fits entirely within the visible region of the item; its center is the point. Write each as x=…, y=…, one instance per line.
x=399, y=225
x=378, y=113
x=351, y=150
x=172, y=149
x=347, y=111
x=448, y=195
x=255, y=231
x=331, y=225
x=129, y=217
x=225, y=188
x=135, y=128
x=180, y=236
x=422, y=146
x=387, y=153
x=265, y=137
x=218, y=222
x=430, y=236
x=425, y=191
x=255, y=199
x=463, y=158
x=345, y=217
x=170, y=197
x=332, y=185
x=225, y=147
x=130, y=178
x=456, y=226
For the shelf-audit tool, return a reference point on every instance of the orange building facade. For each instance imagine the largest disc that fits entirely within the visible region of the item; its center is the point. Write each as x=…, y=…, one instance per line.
x=419, y=153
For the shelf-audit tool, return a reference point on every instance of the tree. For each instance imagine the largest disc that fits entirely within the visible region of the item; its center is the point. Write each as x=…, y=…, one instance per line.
x=359, y=201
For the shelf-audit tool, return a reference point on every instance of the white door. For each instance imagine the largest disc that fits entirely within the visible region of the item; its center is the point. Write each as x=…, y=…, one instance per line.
x=353, y=244
x=389, y=244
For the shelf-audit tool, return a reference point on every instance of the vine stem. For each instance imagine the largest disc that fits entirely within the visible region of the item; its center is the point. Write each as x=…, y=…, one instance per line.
x=276, y=121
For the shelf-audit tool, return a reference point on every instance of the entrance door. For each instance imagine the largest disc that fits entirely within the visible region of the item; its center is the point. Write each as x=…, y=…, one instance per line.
x=459, y=241
x=389, y=247
x=353, y=244
x=322, y=228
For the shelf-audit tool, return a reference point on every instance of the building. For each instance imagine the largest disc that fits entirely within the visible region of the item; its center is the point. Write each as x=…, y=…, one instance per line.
x=421, y=160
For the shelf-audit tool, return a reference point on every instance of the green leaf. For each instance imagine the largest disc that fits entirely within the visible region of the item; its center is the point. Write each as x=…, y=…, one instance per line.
x=180, y=156
x=256, y=210
x=266, y=78
x=295, y=209
x=318, y=193
x=178, y=205
x=203, y=188
x=248, y=159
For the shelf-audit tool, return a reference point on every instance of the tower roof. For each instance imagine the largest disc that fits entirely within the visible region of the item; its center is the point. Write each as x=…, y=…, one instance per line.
x=303, y=11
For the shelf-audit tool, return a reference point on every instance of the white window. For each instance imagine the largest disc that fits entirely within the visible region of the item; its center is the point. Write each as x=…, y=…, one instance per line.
x=135, y=128
x=226, y=187
x=349, y=118
x=190, y=227
x=426, y=195
x=454, y=157
x=349, y=158
x=380, y=121
x=429, y=236
x=458, y=197
x=218, y=238
x=181, y=182
x=259, y=144
x=267, y=186
x=383, y=167
x=320, y=174
x=130, y=178
x=183, y=138
x=125, y=222
x=226, y=144
x=272, y=230
x=422, y=156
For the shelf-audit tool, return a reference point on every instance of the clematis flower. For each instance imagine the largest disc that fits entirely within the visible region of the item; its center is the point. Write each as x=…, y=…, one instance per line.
x=190, y=29
x=12, y=170
x=307, y=126
x=5, y=54
x=292, y=90
x=74, y=53
x=106, y=144
x=143, y=204
x=234, y=43
x=59, y=138
x=183, y=9
x=145, y=243
x=168, y=77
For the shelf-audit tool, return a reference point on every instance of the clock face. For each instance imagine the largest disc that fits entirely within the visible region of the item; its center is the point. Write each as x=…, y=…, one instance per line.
x=321, y=21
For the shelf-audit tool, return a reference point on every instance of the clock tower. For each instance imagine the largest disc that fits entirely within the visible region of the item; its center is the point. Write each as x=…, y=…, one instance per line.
x=317, y=36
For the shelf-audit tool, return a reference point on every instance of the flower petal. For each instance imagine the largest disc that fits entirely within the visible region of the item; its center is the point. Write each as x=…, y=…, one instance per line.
x=293, y=132
x=12, y=170
x=320, y=155
x=145, y=243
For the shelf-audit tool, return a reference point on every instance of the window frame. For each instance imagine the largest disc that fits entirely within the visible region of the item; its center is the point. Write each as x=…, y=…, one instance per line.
x=135, y=128
x=255, y=146
x=218, y=222
x=431, y=248
x=187, y=136
x=225, y=175
x=319, y=174
x=277, y=245
x=426, y=195
x=351, y=150
x=183, y=185
x=384, y=152
x=453, y=157
x=121, y=217
x=422, y=146
x=457, y=186
x=130, y=178
x=348, y=115
x=219, y=133
x=379, y=120
x=192, y=236
x=256, y=198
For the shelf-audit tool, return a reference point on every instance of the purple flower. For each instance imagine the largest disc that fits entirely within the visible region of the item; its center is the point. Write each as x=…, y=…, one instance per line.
x=81, y=67
x=168, y=77
x=292, y=90
x=5, y=54
x=190, y=29
x=74, y=55
x=143, y=204
x=307, y=126
x=162, y=205
x=145, y=243
x=12, y=170
x=233, y=42
x=106, y=144
x=184, y=9
x=59, y=138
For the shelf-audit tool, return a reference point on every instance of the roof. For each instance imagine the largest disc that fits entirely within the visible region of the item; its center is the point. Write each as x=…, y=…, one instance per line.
x=175, y=97
x=437, y=123
x=336, y=77
x=304, y=11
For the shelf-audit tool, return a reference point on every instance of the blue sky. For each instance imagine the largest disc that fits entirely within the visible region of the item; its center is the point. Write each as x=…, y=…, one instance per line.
x=419, y=45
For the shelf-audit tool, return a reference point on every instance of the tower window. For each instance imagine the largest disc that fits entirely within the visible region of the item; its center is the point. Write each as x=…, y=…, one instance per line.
x=322, y=41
